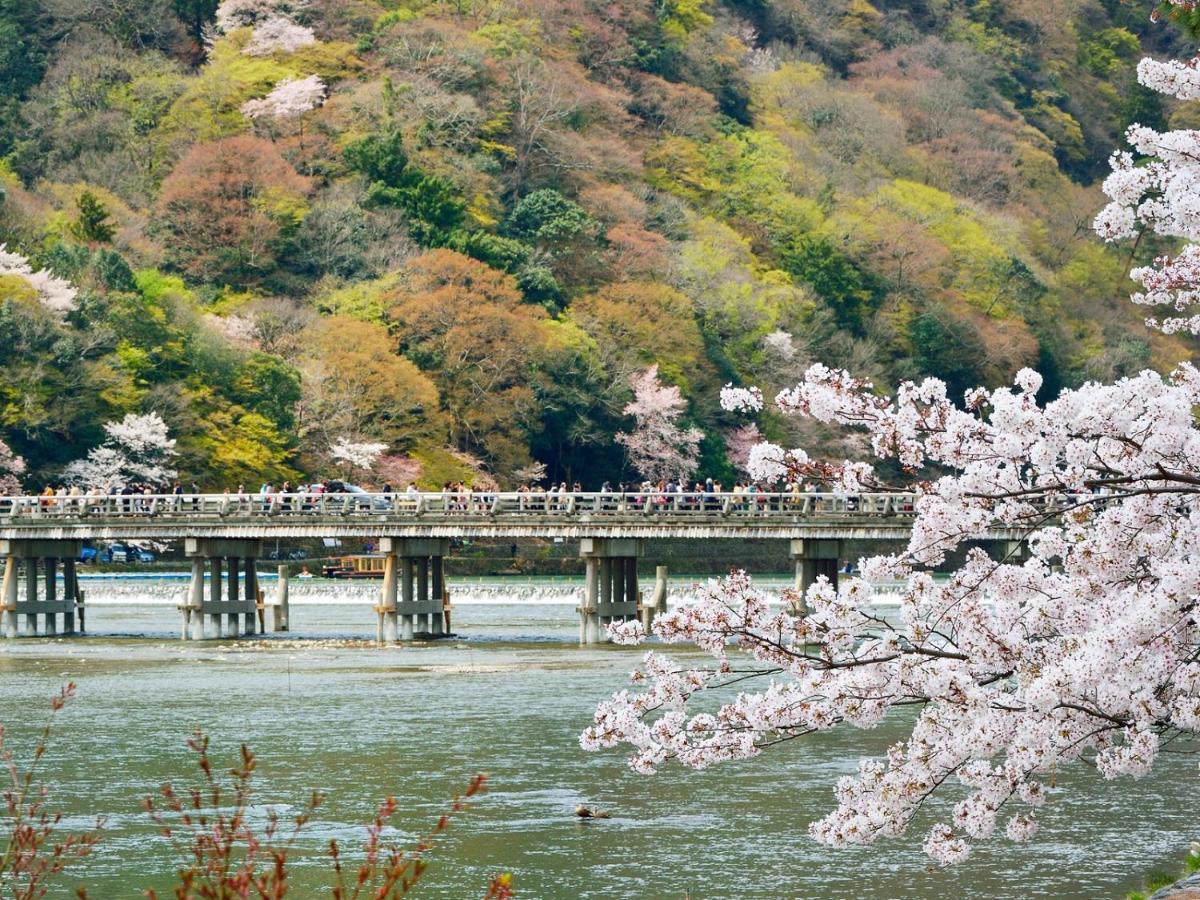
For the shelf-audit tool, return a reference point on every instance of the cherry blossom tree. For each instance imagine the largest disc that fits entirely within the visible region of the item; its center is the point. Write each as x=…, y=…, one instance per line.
x=11, y=467
x=233, y=14
x=740, y=442
x=278, y=34
x=136, y=450
x=1079, y=642
x=289, y=99
x=659, y=449
x=56, y=295
x=273, y=23
x=357, y=455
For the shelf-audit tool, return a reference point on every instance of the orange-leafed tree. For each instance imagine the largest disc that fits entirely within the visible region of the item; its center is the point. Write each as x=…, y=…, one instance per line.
x=356, y=383
x=467, y=326
x=227, y=208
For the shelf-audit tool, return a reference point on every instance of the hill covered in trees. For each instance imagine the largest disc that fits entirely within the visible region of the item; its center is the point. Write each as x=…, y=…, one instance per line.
x=466, y=229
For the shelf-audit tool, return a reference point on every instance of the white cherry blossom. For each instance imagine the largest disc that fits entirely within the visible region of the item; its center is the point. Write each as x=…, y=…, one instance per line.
x=1077, y=639
x=56, y=295
x=289, y=98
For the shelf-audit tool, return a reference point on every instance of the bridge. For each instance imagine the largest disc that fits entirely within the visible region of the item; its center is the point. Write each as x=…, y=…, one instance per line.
x=223, y=535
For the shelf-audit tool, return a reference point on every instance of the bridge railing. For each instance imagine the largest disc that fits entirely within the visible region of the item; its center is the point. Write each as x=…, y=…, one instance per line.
x=457, y=504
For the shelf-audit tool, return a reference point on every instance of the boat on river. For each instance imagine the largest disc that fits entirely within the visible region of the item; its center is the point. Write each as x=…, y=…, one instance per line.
x=361, y=565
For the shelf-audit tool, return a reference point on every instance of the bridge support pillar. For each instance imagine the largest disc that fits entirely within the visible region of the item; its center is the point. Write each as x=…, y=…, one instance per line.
x=385, y=630
x=239, y=608
x=8, y=622
x=70, y=595
x=251, y=610
x=214, y=596
x=814, y=557
x=279, y=621
x=39, y=556
x=658, y=602
x=193, y=621
x=611, y=589
x=419, y=603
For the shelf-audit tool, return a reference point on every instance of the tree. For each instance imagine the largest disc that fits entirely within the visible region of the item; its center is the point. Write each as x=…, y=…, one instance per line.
x=11, y=467
x=136, y=450
x=18, y=279
x=636, y=324
x=291, y=98
x=468, y=327
x=355, y=383
x=548, y=219
x=358, y=456
x=93, y=224
x=195, y=14
x=659, y=449
x=1083, y=650
x=227, y=208
x=432, y=204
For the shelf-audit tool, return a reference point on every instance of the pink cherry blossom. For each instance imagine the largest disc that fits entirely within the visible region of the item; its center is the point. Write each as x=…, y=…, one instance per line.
x=359, y=454
x=11, y=466
x=659, y=448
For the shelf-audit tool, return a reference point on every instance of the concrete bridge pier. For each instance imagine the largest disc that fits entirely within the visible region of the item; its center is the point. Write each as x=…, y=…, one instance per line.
x=814, y=557
x=411, y=601
x=611, y=587
x=34, y=556
x=658, y=601
x=8, y=597
x=238, y=609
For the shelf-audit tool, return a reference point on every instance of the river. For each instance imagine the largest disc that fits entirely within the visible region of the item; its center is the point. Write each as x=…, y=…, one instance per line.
x=325, y=709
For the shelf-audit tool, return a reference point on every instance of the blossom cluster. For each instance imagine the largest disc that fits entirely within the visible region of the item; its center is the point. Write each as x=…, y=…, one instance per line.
x=11, y=467
x=273, y=24
x=1154, y=188
x=1081, y=645
x=137, y=450
x=56, y=295
x=359, y=454
x=290, y=98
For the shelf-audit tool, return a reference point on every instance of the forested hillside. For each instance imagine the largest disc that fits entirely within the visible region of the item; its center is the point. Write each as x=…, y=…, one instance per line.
x=463, y=229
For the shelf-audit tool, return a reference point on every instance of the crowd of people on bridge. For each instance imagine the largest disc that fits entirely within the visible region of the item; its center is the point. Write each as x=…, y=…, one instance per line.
x=460, y=497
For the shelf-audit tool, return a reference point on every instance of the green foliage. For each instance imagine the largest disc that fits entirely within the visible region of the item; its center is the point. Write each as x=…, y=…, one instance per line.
x=432, y=204
x=548, y=219
x=24, y=46
x=93, y=224
x=1106, y=51
x=946, y=349
x=833, y=278
x=654, y=183
x=196, y=14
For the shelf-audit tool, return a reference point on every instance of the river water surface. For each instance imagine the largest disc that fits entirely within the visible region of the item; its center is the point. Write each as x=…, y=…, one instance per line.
x=325, y=710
